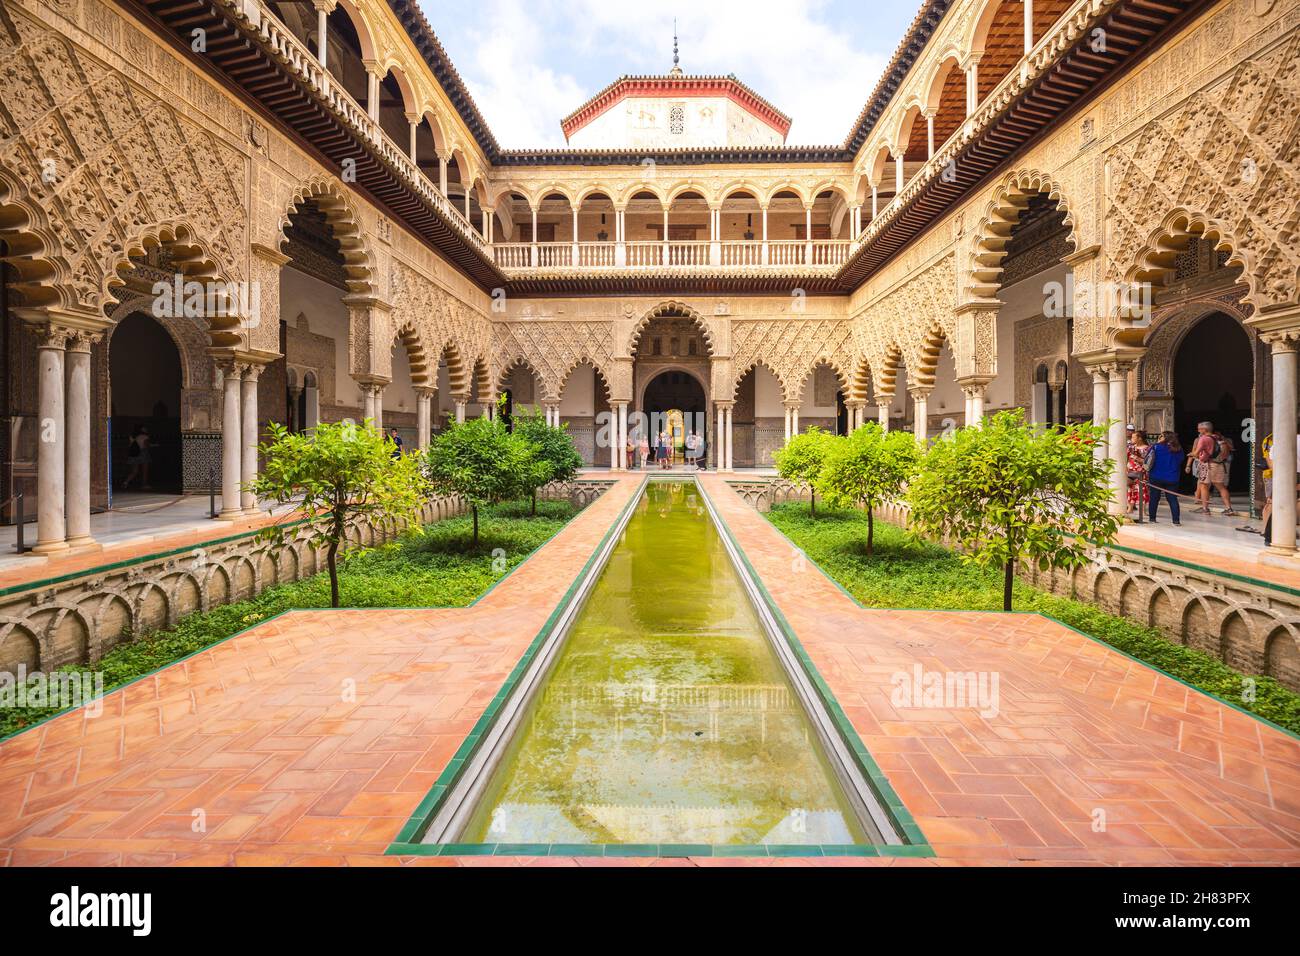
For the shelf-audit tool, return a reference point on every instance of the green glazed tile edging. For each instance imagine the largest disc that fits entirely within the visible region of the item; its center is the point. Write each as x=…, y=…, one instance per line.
x=406, y=842
x=1046, y=617
x=291, y=610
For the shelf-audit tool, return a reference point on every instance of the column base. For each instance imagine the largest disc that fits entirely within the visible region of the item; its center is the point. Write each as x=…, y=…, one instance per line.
x=1277, y=557
x=84, y=543
x=50, y=547
x=231, y=514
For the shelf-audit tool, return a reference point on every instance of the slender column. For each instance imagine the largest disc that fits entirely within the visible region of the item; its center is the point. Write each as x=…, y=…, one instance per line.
x=533, y=250
x=787, y=422
x=794, y=420
x=720, y=439
x=974, y=392
x=715, y=237
x=972, y=86
x=51, y=452
x=424, y=395
x=367, y=402
x=1029, y=25
x=612, y=431
x=379, y=405
x=620, y=239
x=622, y=435
x=929, y=134
x=883, y=413
x=920, y=414
x=575, y=236
x=807, y=234
x=730, y=443
x=898, y=172
x=232, y=441
x=1118, y=446
x=467, y=219
x=414, y=122
x=442, y=174
x=666, y=253
x=78, y=438
x=1284, y=444
x=1100, y=405
x=372, y=92
x=766, y=258
x=875, y=202
x=248, y=458
x=460, y=410
x=322, y=33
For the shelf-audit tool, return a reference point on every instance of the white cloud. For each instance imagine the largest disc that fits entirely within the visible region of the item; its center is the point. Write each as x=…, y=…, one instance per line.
x=532, y=64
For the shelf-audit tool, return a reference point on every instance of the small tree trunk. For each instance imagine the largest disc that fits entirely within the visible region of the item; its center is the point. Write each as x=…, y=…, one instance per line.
x=474, y=508
x=1008, y=577
x=871, y=529
x=331, y=561
x=534, y=511
x=813, y=492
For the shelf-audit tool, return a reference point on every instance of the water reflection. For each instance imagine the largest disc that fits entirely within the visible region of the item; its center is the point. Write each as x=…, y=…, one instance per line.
x=667, y=718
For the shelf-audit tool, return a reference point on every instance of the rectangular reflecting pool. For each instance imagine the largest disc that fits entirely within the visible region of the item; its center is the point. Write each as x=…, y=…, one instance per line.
x=666, y=716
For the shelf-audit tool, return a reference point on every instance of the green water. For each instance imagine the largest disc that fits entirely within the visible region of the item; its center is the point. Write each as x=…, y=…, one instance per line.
x=667, y=717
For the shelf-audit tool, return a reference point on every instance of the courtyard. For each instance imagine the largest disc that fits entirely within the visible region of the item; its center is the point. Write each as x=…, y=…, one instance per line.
x=589, y=435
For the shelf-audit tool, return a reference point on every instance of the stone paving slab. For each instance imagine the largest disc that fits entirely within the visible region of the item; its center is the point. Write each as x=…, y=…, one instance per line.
x=257, y=733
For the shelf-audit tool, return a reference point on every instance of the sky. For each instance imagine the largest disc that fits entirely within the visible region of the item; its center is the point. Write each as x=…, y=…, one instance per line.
x=529, y=63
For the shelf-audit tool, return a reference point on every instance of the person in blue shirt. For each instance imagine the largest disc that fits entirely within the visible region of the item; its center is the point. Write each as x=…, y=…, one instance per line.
x=1164, y=469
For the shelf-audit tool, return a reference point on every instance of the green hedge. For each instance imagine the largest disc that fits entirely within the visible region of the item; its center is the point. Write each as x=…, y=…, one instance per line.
x=907, y=574
x=435, y=568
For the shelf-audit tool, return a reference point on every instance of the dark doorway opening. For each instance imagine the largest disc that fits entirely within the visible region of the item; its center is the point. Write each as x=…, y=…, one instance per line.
x=145, y=378
x=1213, y=373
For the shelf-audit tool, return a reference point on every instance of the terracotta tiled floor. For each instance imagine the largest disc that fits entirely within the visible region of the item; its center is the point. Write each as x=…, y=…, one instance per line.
x=258, y=735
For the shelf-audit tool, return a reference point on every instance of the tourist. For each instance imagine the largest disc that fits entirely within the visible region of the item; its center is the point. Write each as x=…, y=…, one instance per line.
x=701, y=460
x=1138, y=495
x=661, y=452
x=693, y=450
x=1164, y=468
x=1268, y=486
x=629, y=452
x=138, y=456
x=1202, y=449
x=1211, y=458
x=396, y=440
x=643, y=451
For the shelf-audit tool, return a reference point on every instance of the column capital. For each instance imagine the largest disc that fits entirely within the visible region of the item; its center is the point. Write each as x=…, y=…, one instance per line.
x=426, y=391
x=920, y=393
x=1283, y=341
x=725, y=403
x=324, y=6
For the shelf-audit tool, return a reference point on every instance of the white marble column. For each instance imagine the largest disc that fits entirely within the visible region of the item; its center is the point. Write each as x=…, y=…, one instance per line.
x=442, y=174
x=367, y=402
x=248, y=457
x=787, y=422
x=78, y=440
x=1284, y=443
x=794, y=420
x=882, y=414
x=929, y=134
x=720, y=439
x=51, y=436
x=423, y=403
x=232, y=440
x=1118, y=446
x=1029, y=25
x=920, y=414
x=1100, y=406
x=460, y=410
x=379, y=405
x=730, y=443
x=972, y=85
x=976, y=393
x=322, y=32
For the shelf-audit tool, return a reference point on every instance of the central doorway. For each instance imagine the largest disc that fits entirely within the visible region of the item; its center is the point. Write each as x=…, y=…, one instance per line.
x=674, y=401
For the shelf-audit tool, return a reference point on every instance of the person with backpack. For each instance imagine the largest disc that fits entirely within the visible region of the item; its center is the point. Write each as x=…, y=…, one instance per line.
x=1211, y=456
